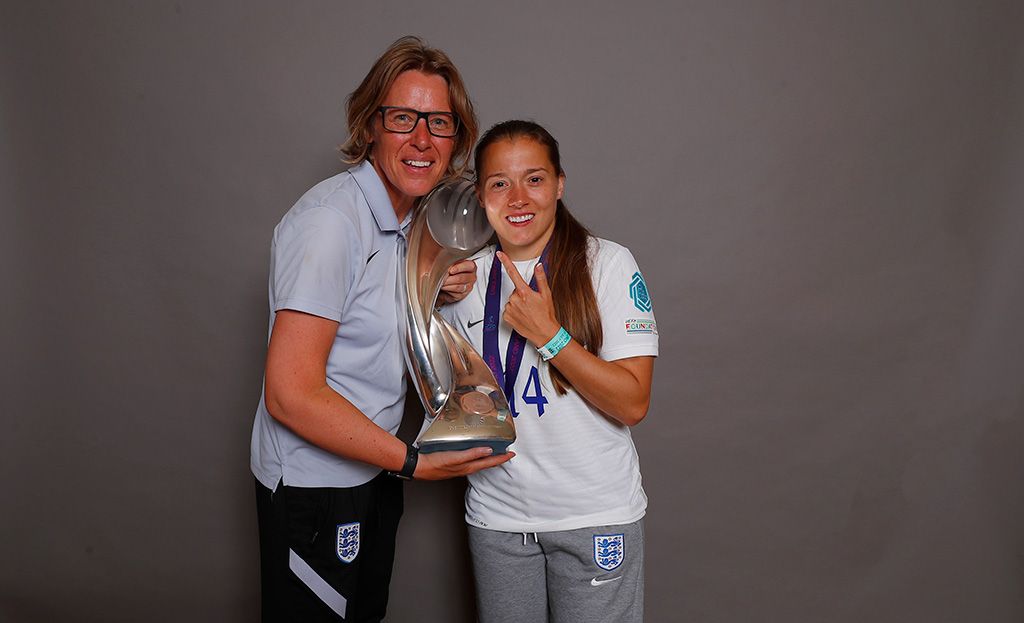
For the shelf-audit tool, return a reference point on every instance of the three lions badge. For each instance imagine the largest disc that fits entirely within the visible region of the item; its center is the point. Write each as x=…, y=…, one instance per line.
x=609, y=550
x=348, y=541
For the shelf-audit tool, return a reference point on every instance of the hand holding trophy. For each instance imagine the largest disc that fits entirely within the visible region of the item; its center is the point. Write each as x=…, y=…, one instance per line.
x=466, y=407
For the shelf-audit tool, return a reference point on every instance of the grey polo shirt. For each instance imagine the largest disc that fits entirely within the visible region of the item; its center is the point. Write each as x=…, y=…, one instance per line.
x=335, y=255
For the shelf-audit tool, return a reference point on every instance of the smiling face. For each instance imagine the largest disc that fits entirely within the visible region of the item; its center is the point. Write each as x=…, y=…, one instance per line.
x=411, y=164
x=520, y=189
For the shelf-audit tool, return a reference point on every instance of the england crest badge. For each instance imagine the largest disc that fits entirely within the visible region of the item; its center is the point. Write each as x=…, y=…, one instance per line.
x=348, y=542
x=609, y=550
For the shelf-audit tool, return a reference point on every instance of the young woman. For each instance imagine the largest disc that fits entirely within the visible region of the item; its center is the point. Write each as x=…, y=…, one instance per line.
x=558, y=531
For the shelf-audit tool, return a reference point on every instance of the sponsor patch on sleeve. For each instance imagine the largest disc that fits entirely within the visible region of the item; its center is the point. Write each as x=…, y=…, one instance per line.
x=637, y=325
x=638, y=292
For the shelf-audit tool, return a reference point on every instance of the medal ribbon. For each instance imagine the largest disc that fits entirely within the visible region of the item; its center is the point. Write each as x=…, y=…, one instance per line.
x=492, y=315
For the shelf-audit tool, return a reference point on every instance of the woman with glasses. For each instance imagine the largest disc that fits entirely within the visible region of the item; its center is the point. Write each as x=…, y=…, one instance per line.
x=565, y=322
x=323, y=440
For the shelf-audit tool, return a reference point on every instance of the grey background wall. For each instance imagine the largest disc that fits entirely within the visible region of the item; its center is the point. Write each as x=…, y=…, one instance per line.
x=825, y=197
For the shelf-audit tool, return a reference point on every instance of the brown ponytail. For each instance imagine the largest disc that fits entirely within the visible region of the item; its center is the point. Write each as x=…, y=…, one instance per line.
x=568, y=257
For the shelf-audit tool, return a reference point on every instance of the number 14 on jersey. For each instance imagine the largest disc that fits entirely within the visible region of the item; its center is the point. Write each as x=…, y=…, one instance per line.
x=532, y=394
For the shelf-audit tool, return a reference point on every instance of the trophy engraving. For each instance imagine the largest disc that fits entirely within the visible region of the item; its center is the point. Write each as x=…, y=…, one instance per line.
x=466, y=407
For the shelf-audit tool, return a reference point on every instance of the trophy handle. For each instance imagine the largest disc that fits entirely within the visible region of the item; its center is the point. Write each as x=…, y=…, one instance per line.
x=425, y=343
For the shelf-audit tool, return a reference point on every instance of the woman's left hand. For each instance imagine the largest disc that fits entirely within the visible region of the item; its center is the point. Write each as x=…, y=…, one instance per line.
x=531, y=313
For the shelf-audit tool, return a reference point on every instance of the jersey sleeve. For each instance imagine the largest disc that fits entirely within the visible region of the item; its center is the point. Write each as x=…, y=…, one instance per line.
x=627, y=313
x=314, y=263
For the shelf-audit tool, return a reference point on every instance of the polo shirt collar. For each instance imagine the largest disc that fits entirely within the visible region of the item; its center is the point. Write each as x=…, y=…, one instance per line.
x=377, y=196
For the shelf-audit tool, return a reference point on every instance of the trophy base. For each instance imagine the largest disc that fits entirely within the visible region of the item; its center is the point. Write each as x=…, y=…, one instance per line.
x=474, y=416
x=499, y=446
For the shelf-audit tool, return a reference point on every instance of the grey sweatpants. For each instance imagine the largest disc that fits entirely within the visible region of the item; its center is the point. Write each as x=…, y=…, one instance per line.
x=574, y=576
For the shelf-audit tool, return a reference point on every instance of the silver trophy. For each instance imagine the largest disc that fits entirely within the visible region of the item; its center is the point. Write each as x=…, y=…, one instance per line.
x=463, y=402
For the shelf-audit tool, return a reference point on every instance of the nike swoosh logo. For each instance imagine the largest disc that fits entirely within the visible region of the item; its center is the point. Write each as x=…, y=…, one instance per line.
x=371, y=256
x=470, y=325
x=596, y=582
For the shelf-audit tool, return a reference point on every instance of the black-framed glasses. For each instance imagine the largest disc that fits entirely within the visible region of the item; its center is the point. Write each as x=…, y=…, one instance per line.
x=404, y=120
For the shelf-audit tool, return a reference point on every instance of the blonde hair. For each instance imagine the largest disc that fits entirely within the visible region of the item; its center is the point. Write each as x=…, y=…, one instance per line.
x=408, y=54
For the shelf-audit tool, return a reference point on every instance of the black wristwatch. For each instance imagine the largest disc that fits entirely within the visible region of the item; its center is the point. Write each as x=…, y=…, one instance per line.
x=412, y=456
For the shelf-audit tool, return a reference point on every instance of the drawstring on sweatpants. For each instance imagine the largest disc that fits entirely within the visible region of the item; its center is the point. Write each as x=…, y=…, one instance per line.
x=534, y=538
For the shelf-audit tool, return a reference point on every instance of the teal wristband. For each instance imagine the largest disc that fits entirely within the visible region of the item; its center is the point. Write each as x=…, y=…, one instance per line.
x=557, y=343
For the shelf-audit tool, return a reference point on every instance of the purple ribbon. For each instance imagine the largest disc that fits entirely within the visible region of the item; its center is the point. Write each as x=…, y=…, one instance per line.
x=506, y=376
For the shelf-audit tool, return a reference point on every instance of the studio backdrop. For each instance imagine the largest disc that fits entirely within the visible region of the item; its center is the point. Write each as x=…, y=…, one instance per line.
x=825, y=199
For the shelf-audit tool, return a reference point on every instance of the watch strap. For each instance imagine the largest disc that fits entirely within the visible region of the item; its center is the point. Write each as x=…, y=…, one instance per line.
x=412, y=457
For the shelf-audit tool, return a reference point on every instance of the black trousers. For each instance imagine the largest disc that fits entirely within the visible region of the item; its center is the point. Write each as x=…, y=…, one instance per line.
x=326, y=554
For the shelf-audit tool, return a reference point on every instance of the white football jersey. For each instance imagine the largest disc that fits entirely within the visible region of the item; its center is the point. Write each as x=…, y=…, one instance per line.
x=574, y=466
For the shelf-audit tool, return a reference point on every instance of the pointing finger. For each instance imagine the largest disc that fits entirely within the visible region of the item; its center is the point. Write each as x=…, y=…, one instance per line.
x=513, y=272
